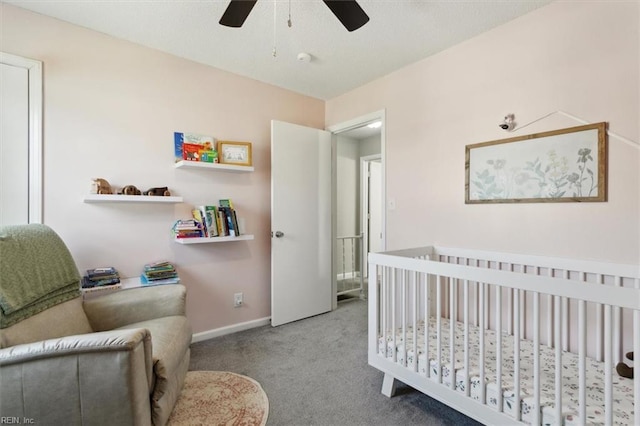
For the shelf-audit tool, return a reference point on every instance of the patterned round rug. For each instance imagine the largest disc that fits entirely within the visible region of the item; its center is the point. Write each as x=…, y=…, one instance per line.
x=220, y=398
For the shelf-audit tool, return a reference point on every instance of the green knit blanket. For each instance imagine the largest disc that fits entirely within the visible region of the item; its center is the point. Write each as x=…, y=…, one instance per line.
x=36, y=272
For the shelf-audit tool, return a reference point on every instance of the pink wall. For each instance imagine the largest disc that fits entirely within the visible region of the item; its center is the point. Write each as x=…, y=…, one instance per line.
x=110, y=110
x=579, y=57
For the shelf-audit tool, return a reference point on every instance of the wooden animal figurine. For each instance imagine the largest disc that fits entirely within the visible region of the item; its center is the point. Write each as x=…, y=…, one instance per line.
x=623, y=369
x=130, y=190
x=158, y=191
x=100, y=186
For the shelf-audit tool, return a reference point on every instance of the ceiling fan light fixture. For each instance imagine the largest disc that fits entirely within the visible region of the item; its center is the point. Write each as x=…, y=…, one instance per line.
x=304, y=57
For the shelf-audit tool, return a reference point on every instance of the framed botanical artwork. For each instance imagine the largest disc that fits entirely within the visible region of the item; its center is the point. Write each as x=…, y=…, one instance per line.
x=238, y=153
x=558, y=166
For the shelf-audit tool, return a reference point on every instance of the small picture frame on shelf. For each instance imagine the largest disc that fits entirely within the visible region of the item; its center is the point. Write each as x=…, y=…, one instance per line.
x=237, y=153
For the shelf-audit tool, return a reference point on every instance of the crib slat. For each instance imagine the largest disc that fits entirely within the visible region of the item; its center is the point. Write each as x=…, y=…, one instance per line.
x=523, y=310
x=608, y=367
x=536, y=358
x=617, y=327
x=582, y=363
x=427, y=316
x=599, y=334
x=416, y=300
x=558, y=357
x=481, y=330
x=384, y=301
x=550, y=315
x=516, y=353
x=393, y=314
x=439, y=327
x=452, y=330
x=499, y=346
x=405, y=344
x=476, y=286
x=565, y=317
x=467, y=391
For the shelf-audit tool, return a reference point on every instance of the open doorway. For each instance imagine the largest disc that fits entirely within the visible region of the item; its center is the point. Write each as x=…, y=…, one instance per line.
x=359, y=201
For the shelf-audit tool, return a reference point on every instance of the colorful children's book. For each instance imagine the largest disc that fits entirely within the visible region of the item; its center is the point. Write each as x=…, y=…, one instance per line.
x=210, y=214
x=205, y=143
x=225, y=203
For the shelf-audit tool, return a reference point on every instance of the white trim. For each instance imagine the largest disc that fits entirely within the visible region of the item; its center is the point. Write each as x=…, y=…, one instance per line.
x=34, y=69
x=359, y=122
x=343, y=127
x=230, y=329
x=364, y=203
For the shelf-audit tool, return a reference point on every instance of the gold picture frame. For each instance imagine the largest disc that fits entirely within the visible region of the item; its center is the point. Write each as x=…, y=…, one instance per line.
x=539, y=168
x=236, y=153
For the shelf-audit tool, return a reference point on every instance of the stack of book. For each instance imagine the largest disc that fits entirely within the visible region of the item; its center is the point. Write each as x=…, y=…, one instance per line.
x=217, y=221
x=101, y=279
x=159, y=273
x=189, y=228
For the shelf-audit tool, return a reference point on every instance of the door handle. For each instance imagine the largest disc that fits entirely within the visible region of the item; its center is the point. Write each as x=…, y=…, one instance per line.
x=279, y=234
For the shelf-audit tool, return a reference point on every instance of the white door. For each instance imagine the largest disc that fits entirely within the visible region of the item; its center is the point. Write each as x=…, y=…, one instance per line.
x=20, y=140
x=14, y=145
x=300, y=222
x=375, y=206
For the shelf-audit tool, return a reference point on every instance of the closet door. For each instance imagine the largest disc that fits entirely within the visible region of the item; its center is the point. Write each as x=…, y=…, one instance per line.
x=20, y=140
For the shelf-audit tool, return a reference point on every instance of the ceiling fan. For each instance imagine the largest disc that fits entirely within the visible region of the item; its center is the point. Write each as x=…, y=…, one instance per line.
x=348, y=12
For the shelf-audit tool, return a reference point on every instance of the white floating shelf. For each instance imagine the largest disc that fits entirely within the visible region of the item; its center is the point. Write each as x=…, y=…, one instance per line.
x=212, y=166
x=212, y=239
x=115, y=198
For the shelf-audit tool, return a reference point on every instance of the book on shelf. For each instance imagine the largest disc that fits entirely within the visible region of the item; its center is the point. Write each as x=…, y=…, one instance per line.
x=146, y=281
x=194, y=147
x=207, y=216
x=100, y=277
x=189, y=228
x=162, y=272
x=222, y=220
x=209, y=221
x=199, y=216
x=211, y=218
x=231, y=221
x=225, y=202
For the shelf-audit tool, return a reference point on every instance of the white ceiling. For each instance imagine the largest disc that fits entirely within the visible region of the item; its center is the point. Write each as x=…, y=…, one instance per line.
x=399, y=32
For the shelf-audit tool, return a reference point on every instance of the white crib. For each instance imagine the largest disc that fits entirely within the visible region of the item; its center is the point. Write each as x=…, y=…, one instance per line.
x=510, y=323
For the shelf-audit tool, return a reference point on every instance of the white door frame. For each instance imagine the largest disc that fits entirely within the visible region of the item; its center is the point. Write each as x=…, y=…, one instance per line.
x=364, y=207
x=335, y=130
x=34, y=69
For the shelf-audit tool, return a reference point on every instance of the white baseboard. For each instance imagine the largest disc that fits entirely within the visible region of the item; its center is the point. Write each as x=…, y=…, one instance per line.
x=222, y=331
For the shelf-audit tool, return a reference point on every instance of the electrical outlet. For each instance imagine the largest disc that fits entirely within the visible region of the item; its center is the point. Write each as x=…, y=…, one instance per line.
x=237, y=300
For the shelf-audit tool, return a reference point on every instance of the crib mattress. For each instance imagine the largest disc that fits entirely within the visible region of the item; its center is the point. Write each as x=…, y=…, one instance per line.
x=442, y=369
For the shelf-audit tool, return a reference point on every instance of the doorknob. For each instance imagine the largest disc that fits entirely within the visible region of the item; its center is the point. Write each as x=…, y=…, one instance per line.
x=279, y=234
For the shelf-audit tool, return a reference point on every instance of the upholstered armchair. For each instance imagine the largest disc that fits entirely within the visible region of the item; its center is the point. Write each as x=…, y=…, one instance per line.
x=117, y=359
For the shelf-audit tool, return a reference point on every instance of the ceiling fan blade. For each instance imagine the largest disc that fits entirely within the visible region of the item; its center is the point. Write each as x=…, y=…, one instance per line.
x=348, y=12
x=237, y=13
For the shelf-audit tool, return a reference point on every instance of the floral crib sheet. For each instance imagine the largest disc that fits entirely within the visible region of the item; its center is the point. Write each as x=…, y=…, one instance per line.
x=406, y=356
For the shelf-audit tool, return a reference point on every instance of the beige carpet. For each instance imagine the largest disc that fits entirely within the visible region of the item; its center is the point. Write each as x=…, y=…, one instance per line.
x=220, y=398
